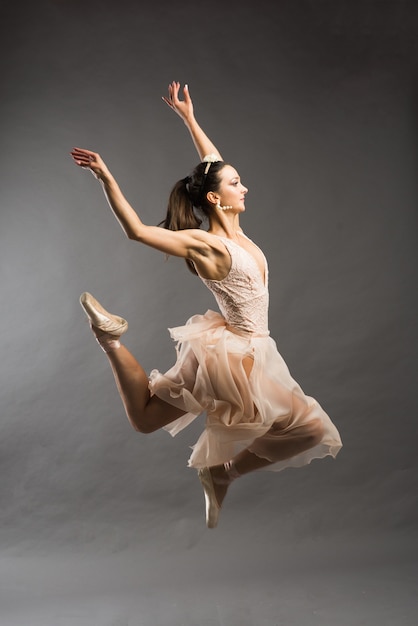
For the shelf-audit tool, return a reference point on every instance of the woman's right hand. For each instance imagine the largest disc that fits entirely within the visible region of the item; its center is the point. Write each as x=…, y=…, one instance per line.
x=91, y=161
x=183, y=108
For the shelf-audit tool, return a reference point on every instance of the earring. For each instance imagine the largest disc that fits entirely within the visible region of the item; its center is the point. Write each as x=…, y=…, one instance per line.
x=223, y=208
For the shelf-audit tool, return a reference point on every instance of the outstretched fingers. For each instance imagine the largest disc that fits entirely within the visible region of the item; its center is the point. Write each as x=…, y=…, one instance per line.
x=173, y=90
x=83, y=157
x=184, y=107
x=90, y=160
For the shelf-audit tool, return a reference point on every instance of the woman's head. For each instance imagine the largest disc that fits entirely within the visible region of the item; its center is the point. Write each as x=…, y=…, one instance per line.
x=211, y=186
x=189, y=196
x=205, y=178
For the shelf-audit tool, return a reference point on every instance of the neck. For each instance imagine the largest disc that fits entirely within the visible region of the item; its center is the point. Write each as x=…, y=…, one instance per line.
x=225, y=224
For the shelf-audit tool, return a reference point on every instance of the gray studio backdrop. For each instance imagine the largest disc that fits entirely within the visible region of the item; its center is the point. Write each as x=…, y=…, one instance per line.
x=315, y=104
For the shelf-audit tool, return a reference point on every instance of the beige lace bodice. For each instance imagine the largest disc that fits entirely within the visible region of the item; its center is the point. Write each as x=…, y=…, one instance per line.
x=242, y=296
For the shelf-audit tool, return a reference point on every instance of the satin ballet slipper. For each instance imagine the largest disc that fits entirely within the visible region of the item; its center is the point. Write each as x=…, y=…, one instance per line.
x=111, y=327
x=212, y=507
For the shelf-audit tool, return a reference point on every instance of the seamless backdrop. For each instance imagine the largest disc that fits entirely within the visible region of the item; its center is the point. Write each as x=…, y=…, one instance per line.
x=314, y=102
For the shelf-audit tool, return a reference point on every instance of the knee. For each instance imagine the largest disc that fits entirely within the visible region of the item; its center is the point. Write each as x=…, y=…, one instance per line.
x=315, y=431
x=144, y=430
x=141, y=425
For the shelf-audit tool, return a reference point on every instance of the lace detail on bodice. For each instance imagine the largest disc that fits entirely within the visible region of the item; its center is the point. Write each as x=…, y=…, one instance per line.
x=242, y=296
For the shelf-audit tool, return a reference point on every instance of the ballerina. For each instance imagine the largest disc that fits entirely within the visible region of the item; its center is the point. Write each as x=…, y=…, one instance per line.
x=227, y=364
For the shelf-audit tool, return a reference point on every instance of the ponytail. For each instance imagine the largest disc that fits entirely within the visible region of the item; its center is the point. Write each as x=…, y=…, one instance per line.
x=189, y=194
x=180, y=213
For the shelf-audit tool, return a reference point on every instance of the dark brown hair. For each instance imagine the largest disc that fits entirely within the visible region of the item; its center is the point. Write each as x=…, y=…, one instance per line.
x=188, y=199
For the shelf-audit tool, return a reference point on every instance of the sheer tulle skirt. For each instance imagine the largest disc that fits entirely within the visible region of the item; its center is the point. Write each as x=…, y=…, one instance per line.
x=244, y=410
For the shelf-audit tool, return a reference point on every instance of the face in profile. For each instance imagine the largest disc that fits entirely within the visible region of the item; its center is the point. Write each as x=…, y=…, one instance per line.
x=231, y=191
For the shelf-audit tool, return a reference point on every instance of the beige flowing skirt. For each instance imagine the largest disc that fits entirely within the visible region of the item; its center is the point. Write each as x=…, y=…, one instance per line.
x=255, y=410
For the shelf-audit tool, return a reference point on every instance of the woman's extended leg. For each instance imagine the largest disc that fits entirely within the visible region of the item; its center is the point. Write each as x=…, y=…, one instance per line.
x=296, y=441
x=265, y=450
x=275, y=446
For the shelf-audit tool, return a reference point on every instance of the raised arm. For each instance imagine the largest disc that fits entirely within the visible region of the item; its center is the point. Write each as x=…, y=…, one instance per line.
x=184, y=108
x=189, y=244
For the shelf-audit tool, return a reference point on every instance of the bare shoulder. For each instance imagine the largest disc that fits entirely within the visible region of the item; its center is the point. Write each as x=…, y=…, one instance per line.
x=211, y=258
x=207, y=244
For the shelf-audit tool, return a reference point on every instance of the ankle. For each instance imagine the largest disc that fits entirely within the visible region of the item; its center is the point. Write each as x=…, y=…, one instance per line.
x=107, y=342
x=224, y=474
x=231, y=470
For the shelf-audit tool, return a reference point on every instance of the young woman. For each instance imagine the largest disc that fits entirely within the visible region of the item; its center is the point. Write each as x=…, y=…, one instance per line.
x=227, y=365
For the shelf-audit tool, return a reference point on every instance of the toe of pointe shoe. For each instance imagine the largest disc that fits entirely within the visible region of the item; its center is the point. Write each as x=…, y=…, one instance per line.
x=212, y=507
x=102, y=319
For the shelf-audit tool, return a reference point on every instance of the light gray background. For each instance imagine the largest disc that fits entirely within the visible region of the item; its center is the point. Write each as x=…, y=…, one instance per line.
x=315, y=103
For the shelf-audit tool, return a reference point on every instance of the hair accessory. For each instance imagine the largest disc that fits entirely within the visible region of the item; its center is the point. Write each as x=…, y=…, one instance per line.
x=209, y=159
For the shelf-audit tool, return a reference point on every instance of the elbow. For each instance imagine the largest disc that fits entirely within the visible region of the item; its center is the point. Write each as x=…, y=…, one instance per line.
x=133, y=235
x=136, y=234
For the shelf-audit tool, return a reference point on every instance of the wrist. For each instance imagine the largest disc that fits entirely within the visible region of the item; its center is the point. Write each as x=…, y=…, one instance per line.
x=190, y=121
x=106, y=178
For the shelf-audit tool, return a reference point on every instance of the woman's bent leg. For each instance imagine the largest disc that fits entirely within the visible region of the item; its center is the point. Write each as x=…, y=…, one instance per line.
x=145, y=414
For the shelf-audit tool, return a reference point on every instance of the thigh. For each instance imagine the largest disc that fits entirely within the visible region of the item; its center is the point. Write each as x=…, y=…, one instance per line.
x=159, y=413
x=247, y=364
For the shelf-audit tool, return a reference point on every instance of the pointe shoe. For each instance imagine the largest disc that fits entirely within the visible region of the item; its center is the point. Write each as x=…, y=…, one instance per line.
x=212, y=507
x=112, y=325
